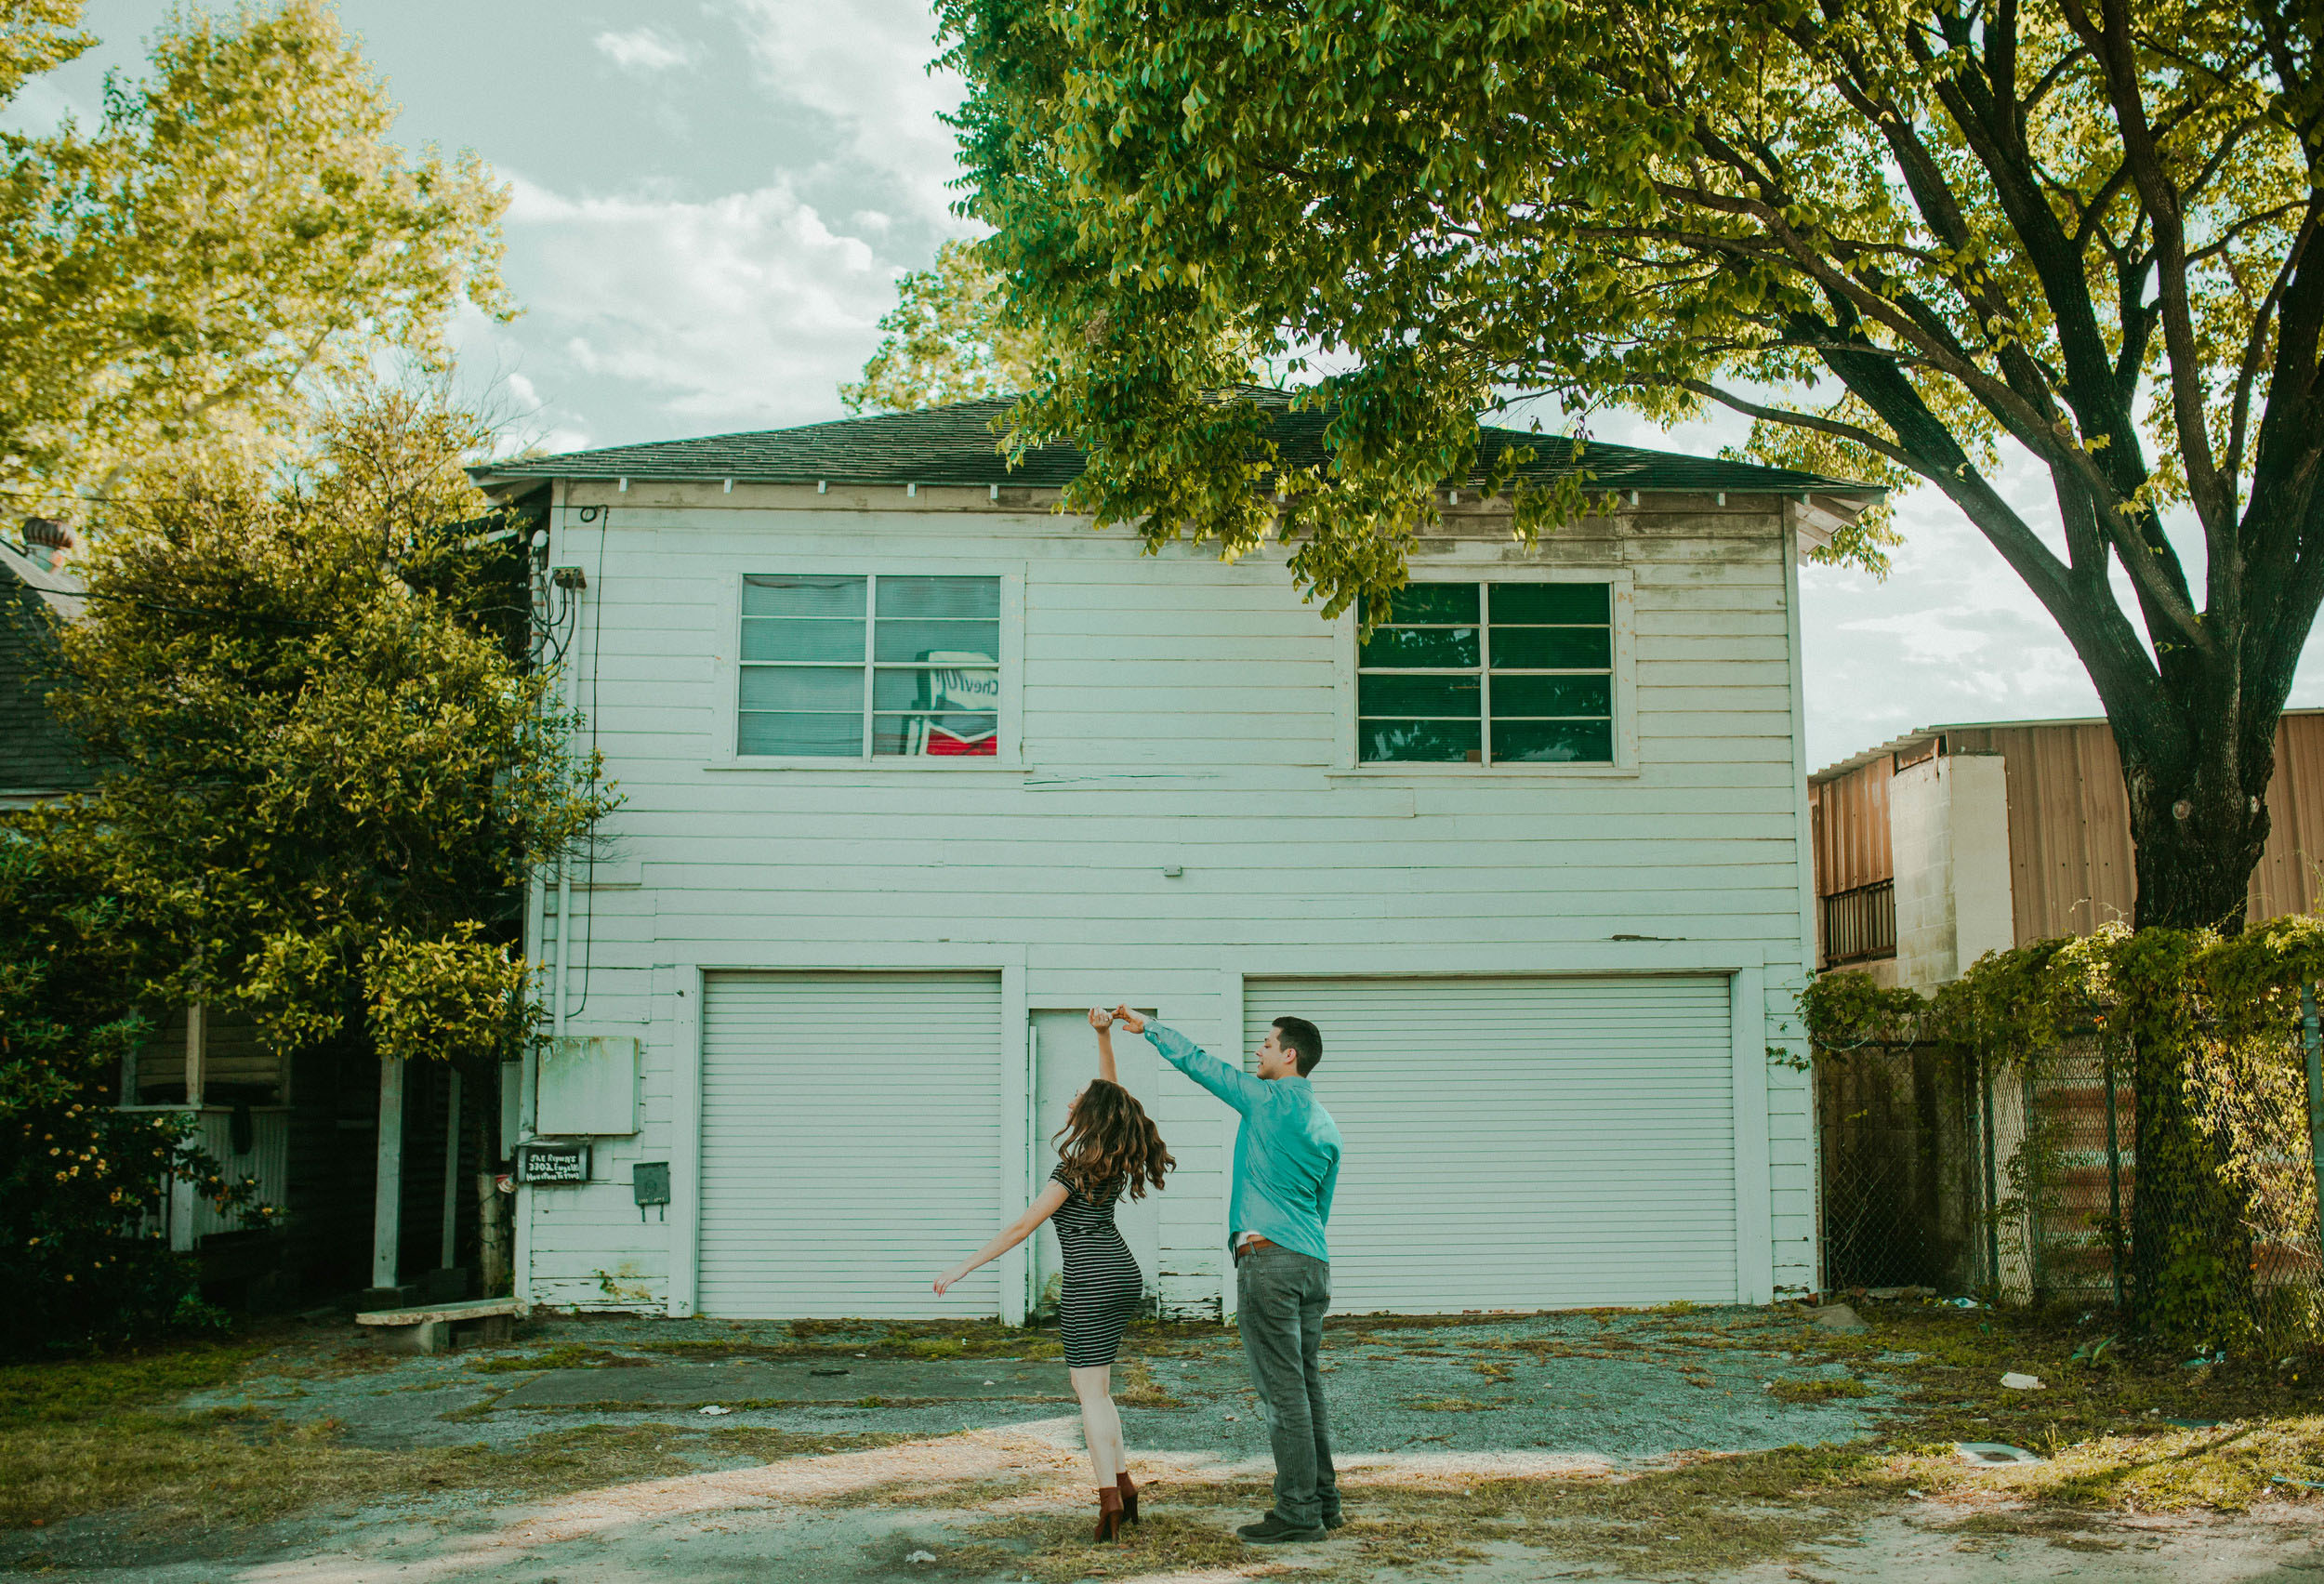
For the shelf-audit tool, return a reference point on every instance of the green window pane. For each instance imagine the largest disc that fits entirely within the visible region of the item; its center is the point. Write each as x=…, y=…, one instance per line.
x=808, y=737
x=1552, y=695
x=1435, y=742
x=900, y=640
x=958, y=598
x=1553, y=742
x=1554, y=649
x=1433, y=602
x=1556, y=603
x=936, y=687
x=1378, y=695
x=801, y=687
x=764, y=594
x=789, y=639
x=1421, y=646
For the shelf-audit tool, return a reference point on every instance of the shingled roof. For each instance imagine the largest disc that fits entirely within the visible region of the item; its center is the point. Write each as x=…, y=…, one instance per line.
x=38, y=757
x=955, y=445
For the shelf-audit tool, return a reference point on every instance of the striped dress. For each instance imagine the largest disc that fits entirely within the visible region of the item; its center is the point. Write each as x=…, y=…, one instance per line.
x=1103, y=1283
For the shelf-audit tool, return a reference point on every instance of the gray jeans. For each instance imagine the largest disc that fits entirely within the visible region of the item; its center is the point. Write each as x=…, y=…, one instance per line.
x=1281, y=1303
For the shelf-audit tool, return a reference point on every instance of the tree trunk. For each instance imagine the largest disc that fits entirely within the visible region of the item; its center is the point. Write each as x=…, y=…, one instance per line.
x=2199, y=824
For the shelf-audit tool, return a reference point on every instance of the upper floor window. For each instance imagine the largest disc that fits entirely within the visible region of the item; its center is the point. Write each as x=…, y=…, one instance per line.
x=866, y=666
x=1489, y=673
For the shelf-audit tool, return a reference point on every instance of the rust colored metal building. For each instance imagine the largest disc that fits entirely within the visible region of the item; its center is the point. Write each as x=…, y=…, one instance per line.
x=1954, y=841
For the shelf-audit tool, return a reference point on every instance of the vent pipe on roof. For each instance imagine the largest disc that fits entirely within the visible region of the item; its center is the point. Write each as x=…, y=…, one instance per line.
x=623, y=488
x=822, y=486
x=911, y=492
x=729, y=486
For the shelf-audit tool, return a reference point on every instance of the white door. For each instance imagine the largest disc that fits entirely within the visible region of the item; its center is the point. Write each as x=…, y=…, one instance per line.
x=1523, y=1142
x=851, y=1143
x=1064, y=1058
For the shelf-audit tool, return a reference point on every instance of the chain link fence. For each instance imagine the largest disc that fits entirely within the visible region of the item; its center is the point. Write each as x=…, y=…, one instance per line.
x=1959, y=1170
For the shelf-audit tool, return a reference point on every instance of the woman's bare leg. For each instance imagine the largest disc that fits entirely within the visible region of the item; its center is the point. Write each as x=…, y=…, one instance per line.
x=1100, y=1425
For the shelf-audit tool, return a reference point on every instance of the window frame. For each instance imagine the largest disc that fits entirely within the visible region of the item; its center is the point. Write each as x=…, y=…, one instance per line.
x=1008, y=751
x=1622, y=602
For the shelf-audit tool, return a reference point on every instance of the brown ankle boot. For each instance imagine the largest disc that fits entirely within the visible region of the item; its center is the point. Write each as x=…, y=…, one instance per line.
x=1129, y=1487
x=1109, y=1513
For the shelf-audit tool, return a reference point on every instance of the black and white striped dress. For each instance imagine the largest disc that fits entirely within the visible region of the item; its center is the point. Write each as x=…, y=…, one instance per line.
x=1103, y=1282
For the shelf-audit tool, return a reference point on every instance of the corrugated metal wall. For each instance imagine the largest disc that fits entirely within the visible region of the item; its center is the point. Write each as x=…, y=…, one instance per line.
x=1850, y=815
x=2071, y=867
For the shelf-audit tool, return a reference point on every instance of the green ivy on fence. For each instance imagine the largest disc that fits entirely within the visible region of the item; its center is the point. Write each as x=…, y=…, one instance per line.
x=2224, y=1238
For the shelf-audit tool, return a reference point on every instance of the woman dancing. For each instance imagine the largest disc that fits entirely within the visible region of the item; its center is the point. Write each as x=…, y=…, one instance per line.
x=1110, y=1148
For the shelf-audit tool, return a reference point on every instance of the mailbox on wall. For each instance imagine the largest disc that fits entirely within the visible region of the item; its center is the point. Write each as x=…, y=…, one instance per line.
x=588, y=1084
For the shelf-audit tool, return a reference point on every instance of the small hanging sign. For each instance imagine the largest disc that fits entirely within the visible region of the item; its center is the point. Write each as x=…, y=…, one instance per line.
x=552, y=1162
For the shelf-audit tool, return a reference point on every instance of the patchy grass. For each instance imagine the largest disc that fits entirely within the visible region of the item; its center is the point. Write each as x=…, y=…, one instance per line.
x=1450, y=1406
x=1705, y=1517
x=1818, y=1390
x=568, y=1356
x=95, y=1435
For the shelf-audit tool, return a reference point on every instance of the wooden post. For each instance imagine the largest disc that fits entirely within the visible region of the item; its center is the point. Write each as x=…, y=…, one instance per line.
x=197, y=1053
x=387, y=1210
x=451, y=1170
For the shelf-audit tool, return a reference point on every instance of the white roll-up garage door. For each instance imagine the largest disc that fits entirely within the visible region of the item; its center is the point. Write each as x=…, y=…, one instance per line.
x=851, y=1143
x=1523, y=1142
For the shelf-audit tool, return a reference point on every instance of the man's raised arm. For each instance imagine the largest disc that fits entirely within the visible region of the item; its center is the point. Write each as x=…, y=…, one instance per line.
x=1233, y=1084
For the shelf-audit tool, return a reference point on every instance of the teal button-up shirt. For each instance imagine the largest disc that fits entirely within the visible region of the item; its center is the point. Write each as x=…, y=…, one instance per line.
x=1286, y=1151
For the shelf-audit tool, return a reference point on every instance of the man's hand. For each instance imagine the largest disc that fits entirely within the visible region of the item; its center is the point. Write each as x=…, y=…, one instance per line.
x=1101, y=1019
x=1130, y=1020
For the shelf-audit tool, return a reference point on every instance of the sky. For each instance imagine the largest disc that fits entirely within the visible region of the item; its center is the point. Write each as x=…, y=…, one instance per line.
x=711, y=203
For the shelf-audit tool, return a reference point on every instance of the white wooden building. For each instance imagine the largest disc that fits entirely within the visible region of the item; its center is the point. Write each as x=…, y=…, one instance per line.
x=914, y=770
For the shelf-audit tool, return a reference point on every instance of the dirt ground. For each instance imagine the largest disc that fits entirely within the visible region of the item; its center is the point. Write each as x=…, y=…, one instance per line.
x=1731, y=1445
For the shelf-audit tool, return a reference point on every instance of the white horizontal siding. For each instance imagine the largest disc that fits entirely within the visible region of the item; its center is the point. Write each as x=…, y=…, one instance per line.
x=1174, y=710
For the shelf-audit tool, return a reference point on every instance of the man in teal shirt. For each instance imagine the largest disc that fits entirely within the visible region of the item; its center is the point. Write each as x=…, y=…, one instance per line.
x=1287, y=1162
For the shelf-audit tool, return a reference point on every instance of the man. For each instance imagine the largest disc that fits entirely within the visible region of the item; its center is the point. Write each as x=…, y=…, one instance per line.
x=1287, y=1161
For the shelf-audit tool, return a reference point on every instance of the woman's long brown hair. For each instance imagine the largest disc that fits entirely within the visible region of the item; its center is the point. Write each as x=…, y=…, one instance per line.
x=1108, y=1138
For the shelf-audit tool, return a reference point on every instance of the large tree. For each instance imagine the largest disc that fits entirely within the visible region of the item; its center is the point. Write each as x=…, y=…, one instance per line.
x=1902, y=236
x=234, y=230
x=327, y=762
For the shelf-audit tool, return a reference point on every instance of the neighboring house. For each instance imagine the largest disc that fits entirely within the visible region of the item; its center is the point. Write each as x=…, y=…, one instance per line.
x=914, y=770
x=39, y=759
x=1952, y=842
x=285, y=1122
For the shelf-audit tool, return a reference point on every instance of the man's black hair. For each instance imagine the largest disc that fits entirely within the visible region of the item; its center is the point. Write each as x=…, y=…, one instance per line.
x=1306, y=1040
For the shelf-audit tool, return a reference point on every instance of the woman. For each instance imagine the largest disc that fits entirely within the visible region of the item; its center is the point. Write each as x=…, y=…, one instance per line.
x=1110, y=1147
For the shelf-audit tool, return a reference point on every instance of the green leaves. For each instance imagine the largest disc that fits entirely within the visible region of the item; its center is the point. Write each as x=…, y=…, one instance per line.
x=328, y=768
x=237, y=227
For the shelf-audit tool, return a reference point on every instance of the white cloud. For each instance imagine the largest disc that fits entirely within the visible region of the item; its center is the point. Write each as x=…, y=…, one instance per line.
x=745, y=309
x=861, y=66
x=643, y=49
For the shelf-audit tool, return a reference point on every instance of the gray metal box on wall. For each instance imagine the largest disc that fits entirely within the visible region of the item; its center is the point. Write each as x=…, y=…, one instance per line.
x=588, y=1084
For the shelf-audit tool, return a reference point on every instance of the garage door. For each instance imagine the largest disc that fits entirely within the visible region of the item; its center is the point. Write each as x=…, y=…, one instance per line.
x=851, y=1143
x=1522, y=1144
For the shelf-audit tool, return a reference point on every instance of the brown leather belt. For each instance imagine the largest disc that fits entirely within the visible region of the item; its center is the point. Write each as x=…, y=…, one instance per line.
x=1248, y=1243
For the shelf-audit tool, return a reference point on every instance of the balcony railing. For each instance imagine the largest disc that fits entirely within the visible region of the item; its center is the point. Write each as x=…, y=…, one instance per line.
x=1860, y=924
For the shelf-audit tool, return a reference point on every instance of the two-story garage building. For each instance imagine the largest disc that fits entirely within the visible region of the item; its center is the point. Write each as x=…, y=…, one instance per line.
x=914, y=770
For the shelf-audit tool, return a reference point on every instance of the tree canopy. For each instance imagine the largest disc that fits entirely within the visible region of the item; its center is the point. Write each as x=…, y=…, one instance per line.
x=1898, y=235
x=943, y=341
x=327, y=763
x=236, y=229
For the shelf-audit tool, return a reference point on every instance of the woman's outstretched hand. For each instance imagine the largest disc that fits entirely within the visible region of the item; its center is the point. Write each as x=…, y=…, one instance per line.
x=1100, y=1019
x=1128, y=1019
x=949, y=1278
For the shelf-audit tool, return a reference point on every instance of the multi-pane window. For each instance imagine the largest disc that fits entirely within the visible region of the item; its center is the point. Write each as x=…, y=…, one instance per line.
x=877, y=666
x=1489, y=673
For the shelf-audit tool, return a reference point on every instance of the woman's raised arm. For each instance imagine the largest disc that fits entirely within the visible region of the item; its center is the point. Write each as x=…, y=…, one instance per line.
x=1011, y=1236
x=1103, y=1020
